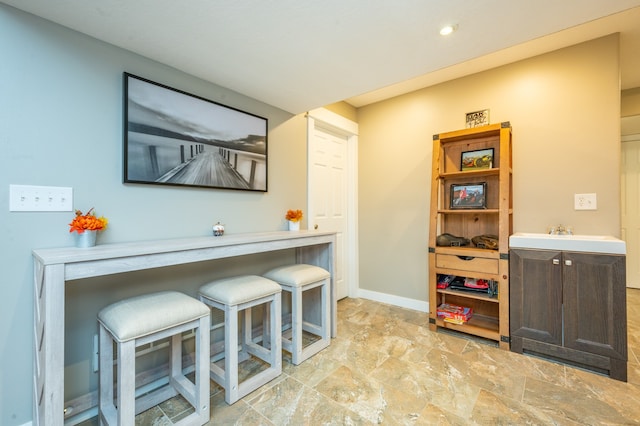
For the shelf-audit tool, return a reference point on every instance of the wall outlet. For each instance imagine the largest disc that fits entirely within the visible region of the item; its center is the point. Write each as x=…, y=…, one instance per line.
x=29, y=198
x=585, y=202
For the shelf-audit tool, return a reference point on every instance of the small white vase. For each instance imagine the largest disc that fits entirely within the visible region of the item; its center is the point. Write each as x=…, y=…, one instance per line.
x=86, y=239
x=294, y=226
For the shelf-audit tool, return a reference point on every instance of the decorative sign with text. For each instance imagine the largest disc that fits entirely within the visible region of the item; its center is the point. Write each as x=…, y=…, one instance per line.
x=477, y=118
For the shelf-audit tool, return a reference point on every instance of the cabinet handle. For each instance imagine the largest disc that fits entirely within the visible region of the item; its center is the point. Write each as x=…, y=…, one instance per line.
x=465, y=257
x=568, y=263
x=556, y=261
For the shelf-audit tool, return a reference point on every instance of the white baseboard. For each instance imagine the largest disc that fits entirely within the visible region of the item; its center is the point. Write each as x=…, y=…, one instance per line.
x=403, y=302
x=27, y=424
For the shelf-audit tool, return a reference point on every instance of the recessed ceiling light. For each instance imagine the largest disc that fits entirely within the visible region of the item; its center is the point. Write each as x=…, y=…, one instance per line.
x=448, y=29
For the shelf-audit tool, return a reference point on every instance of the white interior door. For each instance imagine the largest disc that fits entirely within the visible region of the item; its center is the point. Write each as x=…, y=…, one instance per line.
x=329, y=193
x=630, y=206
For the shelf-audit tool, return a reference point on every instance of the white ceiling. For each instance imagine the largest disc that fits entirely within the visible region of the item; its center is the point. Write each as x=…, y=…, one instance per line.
x=301, y=54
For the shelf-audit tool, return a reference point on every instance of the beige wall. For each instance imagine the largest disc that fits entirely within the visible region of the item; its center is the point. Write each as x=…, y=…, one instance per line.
x=630, y=102
x=565, y=111
x=630, y=111
x=344, y=109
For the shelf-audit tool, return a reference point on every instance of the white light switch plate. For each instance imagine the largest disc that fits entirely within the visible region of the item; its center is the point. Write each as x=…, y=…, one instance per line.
x=29, y=198
x=585, y=202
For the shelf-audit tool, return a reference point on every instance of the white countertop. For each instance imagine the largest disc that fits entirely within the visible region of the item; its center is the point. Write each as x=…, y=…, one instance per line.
x=583, y=243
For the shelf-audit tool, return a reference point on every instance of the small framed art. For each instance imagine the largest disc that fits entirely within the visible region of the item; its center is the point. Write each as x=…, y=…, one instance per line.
x=468, y=196
x=475, y=160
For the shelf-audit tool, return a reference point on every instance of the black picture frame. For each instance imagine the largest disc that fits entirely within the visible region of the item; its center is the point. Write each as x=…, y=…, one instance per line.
x=468, y=196
x=176, y=138
x=476, y=160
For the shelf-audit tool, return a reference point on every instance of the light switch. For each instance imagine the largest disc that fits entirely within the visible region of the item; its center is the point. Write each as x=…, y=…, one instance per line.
x=29, y=198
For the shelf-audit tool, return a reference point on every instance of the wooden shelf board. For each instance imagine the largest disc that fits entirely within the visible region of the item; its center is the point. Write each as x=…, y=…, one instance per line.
x=468, y=251
x=467, y=211
x=473, y=132
x=470, y=173
x=469, y=295
x=470, y=274
x=478, y=325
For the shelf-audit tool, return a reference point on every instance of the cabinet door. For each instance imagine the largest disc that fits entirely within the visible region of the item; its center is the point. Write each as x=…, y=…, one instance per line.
x=535, y=301
x=594, y=297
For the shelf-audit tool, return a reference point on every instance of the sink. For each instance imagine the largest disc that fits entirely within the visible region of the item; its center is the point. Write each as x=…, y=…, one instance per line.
x=586, y=243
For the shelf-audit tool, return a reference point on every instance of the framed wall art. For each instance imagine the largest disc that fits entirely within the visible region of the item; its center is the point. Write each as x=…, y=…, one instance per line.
x=175, y=138
x=468, y=196
x=475, y=160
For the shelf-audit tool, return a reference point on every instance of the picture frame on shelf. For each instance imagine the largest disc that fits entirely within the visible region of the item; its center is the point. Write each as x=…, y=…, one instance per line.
x=476, y=160
x=176, y=138
x=468, y=196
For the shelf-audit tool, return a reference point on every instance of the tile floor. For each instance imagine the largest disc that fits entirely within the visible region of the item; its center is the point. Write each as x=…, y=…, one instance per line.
x=386, y=367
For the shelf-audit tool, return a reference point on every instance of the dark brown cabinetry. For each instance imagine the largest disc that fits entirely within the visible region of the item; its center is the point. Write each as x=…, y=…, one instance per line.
x=570, y=306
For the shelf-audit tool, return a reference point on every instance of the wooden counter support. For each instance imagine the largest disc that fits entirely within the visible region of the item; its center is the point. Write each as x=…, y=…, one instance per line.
x=53, y=267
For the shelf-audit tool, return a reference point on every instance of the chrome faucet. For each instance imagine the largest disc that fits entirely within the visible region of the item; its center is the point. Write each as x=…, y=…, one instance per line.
x=561, y=230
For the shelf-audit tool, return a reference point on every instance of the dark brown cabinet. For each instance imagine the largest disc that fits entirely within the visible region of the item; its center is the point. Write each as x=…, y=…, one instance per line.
x=570, y=306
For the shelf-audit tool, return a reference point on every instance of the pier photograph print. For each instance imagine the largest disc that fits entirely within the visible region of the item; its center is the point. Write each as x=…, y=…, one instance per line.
x=176, y=138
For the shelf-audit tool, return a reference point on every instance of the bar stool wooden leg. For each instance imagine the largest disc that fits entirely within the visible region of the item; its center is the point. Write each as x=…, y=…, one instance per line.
x=231, y=353
x=203, y=340
x=126, y=382
x=275, y=330
x=106, y=375
x=296, y=324
x=326, y=312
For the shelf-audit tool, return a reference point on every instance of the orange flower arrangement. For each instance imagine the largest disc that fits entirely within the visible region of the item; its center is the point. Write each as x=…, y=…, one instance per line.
x=294, y=215
x=87, y=222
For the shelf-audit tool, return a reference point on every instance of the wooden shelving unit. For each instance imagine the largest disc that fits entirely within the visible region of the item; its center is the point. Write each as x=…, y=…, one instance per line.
x=490, y=313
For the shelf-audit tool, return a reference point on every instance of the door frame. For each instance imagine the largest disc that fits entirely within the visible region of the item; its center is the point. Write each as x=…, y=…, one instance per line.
x=631, y=263
x=349, y=129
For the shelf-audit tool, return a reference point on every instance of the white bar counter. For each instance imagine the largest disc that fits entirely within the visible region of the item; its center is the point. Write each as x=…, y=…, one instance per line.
x=53, y=267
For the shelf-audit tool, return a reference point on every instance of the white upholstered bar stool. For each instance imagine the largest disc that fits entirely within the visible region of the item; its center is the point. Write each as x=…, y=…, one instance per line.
x=298, y=279
x=237, y=296
x=141, y=320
